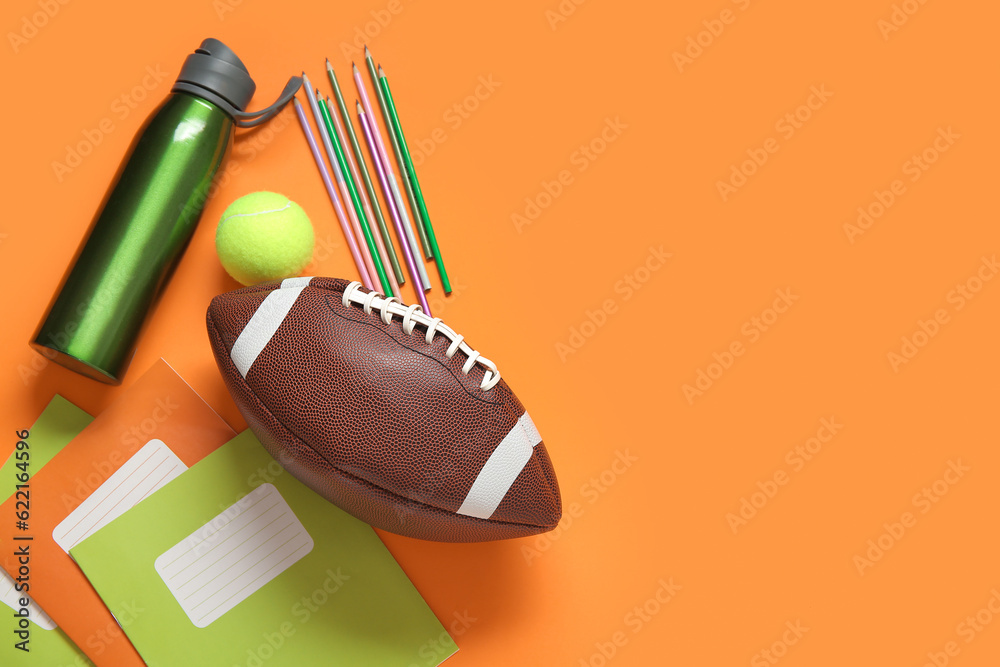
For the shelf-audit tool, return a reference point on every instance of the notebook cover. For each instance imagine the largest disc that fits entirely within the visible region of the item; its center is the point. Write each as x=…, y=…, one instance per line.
x=194, y=558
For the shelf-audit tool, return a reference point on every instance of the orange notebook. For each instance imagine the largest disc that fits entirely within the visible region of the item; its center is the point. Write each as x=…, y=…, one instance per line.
x=151, y=434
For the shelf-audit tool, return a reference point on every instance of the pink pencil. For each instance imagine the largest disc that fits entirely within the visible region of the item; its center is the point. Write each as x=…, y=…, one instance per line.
x=365, y=278
x=407, y=253
x=408, y=239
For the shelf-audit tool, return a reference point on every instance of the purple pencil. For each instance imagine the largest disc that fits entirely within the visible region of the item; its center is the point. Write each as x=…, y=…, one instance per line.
x=365, y=278
x=407, y=252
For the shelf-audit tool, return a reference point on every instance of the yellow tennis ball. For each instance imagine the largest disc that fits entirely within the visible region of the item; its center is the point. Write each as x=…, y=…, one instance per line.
x=264, y=236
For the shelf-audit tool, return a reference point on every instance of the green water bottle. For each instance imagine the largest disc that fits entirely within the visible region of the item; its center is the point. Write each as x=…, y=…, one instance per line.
x=149, y=214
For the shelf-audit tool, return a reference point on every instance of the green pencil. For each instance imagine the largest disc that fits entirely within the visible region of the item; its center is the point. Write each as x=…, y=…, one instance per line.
x=398, y=129
x=365, y=228
x=363, y=168
x=419, y=224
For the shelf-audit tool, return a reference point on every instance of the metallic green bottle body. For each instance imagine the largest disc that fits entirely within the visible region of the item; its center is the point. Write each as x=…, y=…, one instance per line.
x=137, y=237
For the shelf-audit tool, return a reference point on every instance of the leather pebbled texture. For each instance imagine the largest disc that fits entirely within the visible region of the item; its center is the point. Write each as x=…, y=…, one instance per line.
x=377, y=421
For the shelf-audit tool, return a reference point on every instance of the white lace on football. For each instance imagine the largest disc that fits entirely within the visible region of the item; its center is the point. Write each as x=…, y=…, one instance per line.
x=414, y=315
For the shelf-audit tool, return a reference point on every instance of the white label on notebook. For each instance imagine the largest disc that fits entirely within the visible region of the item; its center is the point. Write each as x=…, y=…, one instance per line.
x=229, y=558
x=149, y=469
x=12, y=598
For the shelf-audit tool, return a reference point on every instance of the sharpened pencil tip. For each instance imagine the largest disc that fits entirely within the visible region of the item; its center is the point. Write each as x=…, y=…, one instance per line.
x=358, y=104
x=368, y=54
x=355, y=68
x=381, y=72
x=328, y=65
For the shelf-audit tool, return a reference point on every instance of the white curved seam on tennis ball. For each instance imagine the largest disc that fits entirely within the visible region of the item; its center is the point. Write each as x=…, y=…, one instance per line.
x=241, y=215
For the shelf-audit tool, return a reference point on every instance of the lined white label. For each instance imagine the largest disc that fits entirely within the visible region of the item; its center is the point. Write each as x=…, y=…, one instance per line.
x=12, y=598
x=229, y=558
x=149, y=469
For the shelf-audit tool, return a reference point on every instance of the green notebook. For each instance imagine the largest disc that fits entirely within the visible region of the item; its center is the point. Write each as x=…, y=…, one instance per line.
x=236, y=562
x=60, y=422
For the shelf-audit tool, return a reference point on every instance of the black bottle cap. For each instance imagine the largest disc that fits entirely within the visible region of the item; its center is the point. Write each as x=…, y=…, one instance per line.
x=213, y=71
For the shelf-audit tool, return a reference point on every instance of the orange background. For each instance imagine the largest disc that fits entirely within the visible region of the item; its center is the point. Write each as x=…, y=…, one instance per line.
x=564, y=598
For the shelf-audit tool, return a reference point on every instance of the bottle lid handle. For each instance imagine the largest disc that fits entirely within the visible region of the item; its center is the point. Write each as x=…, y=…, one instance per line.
x=254, y=118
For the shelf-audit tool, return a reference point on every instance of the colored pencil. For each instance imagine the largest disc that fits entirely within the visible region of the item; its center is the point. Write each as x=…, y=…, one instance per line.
x=352, y=196
x=351, y=244
x=424, y=242
x=383, y=156
x=411, y=263
x=360, y=201
x=428, y=227
x=360, y=166
x=338, y=176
